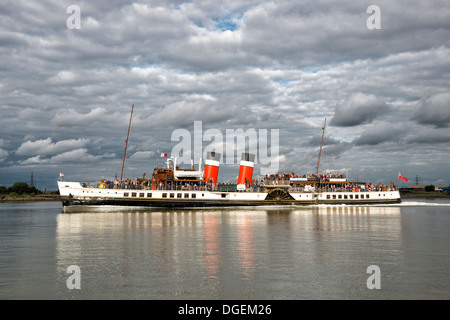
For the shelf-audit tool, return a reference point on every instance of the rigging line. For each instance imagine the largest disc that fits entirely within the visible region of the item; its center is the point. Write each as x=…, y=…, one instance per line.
x=321, y=143
x=126, y=144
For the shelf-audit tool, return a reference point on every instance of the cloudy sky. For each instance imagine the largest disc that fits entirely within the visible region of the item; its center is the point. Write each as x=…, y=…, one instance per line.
x=66, y=94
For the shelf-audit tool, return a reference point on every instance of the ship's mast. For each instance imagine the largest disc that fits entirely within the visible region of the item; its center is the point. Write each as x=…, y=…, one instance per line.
x=321, y=144
x=126, y=144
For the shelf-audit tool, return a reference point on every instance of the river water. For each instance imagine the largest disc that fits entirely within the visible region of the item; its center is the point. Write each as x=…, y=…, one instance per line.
x=265, y=253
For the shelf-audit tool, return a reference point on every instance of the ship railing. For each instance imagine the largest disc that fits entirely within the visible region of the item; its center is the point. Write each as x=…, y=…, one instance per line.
x=276, y=182
x=259, y=188
x=147, y=187
x=292, y=189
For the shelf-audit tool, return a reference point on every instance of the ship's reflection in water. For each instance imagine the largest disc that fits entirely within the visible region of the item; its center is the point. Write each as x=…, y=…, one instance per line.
x=211, y=243
x=311, y=252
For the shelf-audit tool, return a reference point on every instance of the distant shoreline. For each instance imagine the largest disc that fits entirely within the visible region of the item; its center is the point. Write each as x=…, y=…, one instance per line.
x=424, y=194
x=30, y=198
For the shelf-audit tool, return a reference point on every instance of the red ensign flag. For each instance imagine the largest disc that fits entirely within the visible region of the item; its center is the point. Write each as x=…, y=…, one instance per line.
x=402, y=177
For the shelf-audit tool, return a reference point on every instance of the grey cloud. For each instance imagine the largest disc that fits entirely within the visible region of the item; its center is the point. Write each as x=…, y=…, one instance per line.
x=235, y=64
x=358, y=109
x=303, y=34
x=336, y=150
x=380, y=133
x=71, y=118
x=184, y=113
x=430, y=136
x=315, y=141
x=283, y=33
x=3, y=155
x=433, y=110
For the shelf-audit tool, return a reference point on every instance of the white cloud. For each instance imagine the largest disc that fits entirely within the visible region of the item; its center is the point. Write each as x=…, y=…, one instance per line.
x=48, y=147
x=64, y=76
x=78, y=155
x=33, y=160
x=74, y=156
x=143, y=155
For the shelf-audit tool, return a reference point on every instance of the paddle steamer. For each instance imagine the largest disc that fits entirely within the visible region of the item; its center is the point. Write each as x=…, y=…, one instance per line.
x=174, y=187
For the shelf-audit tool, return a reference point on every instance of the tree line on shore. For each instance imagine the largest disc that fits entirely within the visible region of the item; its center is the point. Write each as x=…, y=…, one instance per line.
x=19, y=189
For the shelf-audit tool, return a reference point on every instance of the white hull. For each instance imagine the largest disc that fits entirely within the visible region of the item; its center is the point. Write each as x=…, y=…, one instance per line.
x=73, y=194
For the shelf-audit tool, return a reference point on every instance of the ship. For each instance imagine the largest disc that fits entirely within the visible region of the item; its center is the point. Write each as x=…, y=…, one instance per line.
x=173, y=187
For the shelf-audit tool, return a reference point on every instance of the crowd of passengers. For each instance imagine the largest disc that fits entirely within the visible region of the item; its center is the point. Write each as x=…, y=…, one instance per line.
x=147, y=185
x=288, y=175
x=255, y=185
